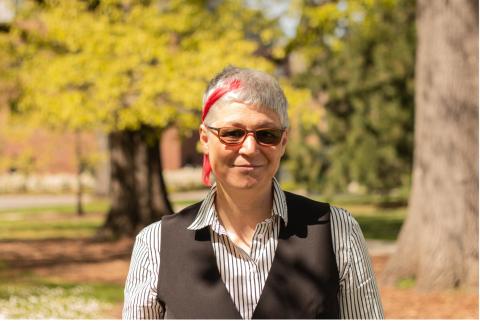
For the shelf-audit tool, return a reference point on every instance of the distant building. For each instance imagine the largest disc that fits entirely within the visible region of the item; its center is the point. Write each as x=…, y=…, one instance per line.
x=48, y=152
x=176, y=152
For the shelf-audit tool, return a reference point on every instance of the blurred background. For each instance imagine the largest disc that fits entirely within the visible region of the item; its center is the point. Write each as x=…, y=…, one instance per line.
x=100, y=104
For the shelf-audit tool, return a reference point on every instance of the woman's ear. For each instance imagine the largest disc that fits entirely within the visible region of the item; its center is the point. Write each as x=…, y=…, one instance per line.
x=203, y=138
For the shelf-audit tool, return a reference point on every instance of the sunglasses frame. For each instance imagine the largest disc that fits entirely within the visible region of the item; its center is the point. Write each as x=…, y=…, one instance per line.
x=216, y=132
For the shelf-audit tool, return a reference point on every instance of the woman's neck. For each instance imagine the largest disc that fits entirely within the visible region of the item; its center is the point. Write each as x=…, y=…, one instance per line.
x=241, y=211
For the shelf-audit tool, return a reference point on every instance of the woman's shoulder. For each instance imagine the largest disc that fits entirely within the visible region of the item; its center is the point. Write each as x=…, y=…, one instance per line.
x=343, y=217
x=150, y=232
x=340, y=212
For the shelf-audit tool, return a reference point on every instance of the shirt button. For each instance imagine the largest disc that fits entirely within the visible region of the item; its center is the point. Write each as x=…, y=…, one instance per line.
x=260, y=235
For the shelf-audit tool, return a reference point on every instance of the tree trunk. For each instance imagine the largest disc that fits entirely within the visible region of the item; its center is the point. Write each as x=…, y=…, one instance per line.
x=80, y=167
x=138, y=193
x=438, y=244
x=102, y=168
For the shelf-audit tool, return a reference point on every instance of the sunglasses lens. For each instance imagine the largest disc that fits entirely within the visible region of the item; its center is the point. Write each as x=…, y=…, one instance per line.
x=269, y=136
x=235, y=136
x=231, y=135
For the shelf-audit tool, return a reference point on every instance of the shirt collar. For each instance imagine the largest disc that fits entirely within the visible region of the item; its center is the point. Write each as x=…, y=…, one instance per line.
x=207, y=216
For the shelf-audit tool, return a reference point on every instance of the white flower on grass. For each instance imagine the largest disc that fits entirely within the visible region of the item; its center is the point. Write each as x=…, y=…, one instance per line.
x=50, y=303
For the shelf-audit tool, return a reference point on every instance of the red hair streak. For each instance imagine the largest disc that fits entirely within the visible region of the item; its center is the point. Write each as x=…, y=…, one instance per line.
x=212, y=99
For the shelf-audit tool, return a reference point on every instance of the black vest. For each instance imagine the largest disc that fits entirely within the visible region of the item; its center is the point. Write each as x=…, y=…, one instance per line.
x=302, y=283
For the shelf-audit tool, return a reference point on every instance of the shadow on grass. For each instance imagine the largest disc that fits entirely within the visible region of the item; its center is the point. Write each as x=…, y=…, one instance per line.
x=25, y=254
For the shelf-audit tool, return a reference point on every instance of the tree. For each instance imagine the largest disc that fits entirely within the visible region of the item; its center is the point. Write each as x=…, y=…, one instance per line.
x=438, y=244
x=358, y=61
x=133, y=68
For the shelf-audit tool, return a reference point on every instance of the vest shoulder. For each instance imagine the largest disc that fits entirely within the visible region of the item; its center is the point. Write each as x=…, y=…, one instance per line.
x=303, y=210
x=305, y=202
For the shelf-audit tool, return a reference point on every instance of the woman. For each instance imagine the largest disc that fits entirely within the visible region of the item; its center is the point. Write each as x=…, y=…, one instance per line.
x=250, y=250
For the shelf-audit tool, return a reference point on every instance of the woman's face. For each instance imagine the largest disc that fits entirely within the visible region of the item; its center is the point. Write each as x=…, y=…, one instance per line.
x=248, y=165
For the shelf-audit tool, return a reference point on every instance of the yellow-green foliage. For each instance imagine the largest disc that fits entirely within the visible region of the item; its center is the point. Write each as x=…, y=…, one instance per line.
x=125, y=63
x=357, y=58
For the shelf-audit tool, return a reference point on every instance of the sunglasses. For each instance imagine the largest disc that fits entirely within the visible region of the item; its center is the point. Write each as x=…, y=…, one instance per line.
x=236, y=136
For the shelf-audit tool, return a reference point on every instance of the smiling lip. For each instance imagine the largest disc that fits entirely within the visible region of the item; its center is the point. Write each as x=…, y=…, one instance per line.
x=247, y=166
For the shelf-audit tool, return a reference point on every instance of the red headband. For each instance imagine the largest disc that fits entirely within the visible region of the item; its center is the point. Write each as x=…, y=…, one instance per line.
x=212, y=99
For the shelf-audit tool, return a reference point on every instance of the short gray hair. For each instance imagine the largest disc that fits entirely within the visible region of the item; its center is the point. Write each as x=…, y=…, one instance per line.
x=256, y=88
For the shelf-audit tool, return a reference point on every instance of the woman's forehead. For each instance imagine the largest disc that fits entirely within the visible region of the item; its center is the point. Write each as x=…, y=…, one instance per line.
x=236, y=113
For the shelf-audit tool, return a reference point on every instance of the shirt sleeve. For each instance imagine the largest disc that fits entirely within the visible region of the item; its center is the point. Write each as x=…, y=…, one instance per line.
x=141, y=285
x=358, y=296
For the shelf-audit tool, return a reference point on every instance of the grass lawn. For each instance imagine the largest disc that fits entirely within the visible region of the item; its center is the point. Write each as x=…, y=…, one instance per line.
x=377, y=222
x=56, y=221
x=30, y=297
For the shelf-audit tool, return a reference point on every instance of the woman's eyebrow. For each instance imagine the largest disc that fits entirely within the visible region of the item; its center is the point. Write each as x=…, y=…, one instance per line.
x=264, y=124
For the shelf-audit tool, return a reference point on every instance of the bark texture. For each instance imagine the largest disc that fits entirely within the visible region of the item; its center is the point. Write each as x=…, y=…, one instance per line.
x=80, y=168
x=438, y=244
x=138, y=193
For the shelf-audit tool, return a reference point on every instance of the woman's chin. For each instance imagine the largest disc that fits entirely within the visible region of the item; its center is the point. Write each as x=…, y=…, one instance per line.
x=244, y=182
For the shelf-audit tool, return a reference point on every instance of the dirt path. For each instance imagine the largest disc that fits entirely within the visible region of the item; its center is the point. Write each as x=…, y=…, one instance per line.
x=87, y=261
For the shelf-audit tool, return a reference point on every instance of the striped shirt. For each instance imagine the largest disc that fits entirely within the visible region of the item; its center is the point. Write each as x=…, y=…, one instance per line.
x=244, y=274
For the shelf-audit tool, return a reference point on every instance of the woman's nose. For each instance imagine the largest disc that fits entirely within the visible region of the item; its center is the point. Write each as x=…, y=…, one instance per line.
x=249, y=145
